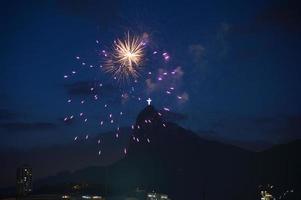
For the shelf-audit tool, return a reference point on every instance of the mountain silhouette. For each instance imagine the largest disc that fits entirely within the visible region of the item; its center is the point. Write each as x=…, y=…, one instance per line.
x=165, y=157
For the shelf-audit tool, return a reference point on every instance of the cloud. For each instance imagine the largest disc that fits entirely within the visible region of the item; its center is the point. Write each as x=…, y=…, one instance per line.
x=124, y=98
x=166, y=77
x=176, y=73
x=85, y=88
x=12, y=115
x=150, y=85
x=26, y=126
x=222, y=42
x=197, y=52
x=6, y=114
x=179, y=72
x=67, y=120
x=183, y=97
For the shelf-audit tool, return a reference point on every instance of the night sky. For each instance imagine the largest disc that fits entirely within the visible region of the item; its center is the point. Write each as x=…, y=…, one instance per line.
x=239, y=64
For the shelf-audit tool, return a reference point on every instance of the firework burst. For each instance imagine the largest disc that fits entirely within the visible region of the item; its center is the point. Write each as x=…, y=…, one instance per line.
x=124, y=62
x=126, y=58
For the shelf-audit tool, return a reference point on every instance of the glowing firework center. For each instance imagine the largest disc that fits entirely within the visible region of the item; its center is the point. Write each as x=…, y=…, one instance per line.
x=125, y=61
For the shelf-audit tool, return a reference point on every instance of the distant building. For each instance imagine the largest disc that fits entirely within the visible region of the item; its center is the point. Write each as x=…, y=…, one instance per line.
x=24, y=180
x=157, y=196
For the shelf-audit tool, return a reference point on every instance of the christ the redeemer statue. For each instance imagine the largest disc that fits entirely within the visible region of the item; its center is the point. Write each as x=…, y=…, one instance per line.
x=149, y=101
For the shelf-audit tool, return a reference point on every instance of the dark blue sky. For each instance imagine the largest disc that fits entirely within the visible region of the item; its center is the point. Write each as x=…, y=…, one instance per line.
x=240, y=63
